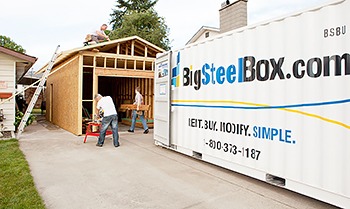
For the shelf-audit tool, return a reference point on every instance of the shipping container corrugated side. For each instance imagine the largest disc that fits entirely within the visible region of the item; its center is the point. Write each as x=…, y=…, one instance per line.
x=271, y=101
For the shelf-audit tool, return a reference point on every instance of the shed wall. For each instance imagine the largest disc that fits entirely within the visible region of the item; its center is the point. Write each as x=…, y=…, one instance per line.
x=64, y=97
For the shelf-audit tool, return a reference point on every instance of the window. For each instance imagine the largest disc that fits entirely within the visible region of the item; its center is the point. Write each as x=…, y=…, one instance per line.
x=206, y=34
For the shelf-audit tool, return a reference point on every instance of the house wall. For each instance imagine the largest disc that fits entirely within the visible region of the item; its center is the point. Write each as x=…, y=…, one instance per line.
x=211, y=34
x=63, y=96
x=7, y=85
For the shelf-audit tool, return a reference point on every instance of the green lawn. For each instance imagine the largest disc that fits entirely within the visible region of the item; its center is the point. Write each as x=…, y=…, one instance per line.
x=17, y=188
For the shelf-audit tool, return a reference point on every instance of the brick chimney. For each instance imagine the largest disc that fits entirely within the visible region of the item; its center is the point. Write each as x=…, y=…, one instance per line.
x=233, y=14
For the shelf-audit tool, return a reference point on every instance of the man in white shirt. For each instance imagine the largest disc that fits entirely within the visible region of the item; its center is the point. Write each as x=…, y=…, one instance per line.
x=99, y=35
x=138, y=102
x=110, y=117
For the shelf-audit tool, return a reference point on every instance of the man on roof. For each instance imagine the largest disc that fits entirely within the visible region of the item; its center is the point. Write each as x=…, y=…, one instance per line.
x=97, y=35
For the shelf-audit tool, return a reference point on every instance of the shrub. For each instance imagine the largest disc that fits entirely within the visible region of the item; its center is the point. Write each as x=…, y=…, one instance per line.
x=19, y=116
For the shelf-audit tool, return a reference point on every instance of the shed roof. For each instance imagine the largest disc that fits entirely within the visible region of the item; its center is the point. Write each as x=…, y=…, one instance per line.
x=103, y=47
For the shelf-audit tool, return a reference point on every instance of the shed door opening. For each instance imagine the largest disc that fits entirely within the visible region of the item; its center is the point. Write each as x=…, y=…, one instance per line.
x=122, y=91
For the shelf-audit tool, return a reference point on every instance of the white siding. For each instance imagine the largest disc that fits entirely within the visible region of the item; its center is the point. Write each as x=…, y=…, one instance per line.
x=211, y=35
x=7, y=74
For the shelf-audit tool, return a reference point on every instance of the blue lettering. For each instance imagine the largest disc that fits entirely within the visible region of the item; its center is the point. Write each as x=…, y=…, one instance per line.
x=240, y=70
x=255, y=134
x=220, y=75
x=206, y=75
x=212, y=73
x=231, y=74
x=266, y=133
x=274, y=133
x=288, y=136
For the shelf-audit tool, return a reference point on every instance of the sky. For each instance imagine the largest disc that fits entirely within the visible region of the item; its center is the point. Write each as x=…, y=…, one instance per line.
x=40, y=25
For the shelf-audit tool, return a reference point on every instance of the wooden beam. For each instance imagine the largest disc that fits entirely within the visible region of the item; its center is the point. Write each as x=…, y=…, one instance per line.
x=132, y=47
x=80, y=95
x=123, y=73
x=126, y=49
x=150, y=93
x=124, y=107
x=120, y=56
x=94, y=87
x=126, y=53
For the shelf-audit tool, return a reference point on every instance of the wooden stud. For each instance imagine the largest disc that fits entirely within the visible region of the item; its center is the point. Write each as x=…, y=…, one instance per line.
x=80, y=95
x=94, y=86
x=149, y=96
x=145, y=92
x=129, y=92
x=133, y=48
x=126, y=49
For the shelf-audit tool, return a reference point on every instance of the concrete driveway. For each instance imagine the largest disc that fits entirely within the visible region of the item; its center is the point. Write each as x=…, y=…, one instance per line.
x=138, y=174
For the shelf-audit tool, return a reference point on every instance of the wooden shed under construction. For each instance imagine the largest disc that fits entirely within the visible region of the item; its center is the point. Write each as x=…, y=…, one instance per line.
x=111, y=68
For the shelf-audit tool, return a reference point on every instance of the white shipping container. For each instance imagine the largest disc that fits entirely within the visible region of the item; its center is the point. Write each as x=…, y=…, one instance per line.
x=271, y=101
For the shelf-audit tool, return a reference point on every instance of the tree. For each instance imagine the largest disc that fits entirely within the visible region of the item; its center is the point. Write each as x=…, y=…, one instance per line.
x=8, y=43
x=146, y=25
x=138, y=17
x=125, y=6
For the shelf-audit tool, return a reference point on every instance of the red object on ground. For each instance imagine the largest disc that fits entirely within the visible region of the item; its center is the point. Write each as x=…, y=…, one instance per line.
x=90, y=132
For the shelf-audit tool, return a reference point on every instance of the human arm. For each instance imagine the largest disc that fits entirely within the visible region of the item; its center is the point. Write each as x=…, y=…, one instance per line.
x=98, y=109
x=138, y=101
x=102, y=34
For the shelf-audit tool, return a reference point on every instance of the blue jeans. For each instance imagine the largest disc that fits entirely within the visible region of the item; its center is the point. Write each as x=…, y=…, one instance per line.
x=133, y=120
x=106, y=121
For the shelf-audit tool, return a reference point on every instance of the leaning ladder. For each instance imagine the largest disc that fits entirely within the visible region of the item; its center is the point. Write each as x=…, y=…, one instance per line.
x=36, y=94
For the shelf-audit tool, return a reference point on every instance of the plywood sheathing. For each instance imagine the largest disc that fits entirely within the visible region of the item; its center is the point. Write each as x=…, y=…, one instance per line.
x=64, y=104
